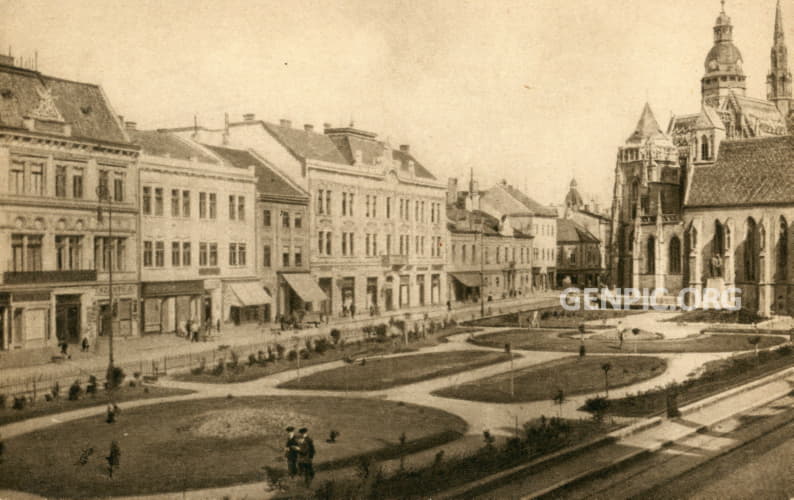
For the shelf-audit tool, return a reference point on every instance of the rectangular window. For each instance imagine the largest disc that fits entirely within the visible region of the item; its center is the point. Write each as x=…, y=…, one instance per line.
x=285, y=256
x=185, y=203
x=328, y=246
x=297, y=221
x=232, y=207
x=159, y=254
x=266, y=259
x=147, y=200
x=175, y=254
x=213, y=254
x=147, y=254
x=202, y=254
x=60, y=181
x=202, y=205
x=374, y=206
x=118, y=189
x=350, y=206
x=104, y=185
x=285, y=219
x=367, y=244
x=241, y=254
x=213, y=206
x=17, y=178
x=388, y=242
x=37, y=178
x=298, y=256
x=121, y=254
x=328, y=203
x=77, y=183
x=388, y=208
x=158, y=201
x=266, y=218
x=321, y=242
x=241, y=208
x=366, y=205
x=186, y=253
x=375, y=244
x=68, y=252
x=232, y=254
x=344, y=203
x=174, y=203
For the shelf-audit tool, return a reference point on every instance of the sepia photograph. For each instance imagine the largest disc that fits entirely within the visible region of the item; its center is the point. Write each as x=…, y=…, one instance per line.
x=396, y=249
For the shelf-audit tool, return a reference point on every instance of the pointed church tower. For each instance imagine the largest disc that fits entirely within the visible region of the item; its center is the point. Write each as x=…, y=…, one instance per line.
x=778, y=82
x=724, y=73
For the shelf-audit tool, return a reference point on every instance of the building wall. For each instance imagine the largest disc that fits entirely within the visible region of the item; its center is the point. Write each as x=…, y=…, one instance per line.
x=580, y=263
x=211, y=279
x=61, y=292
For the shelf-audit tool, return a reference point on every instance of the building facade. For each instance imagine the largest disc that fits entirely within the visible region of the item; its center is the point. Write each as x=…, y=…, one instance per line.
x=488, y=259
x=197, y=236
x=282, y=235
x=64, y=156
x=376, y=215
x=578, y=256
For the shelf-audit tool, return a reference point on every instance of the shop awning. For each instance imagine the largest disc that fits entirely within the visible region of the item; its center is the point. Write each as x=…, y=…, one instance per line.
x=250, y=294
x=305, y=287
x=471, y=280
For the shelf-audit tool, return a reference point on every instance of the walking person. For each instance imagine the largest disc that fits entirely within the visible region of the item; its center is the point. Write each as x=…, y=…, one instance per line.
x=306, y=456
x=291, y=452
x=194, y=333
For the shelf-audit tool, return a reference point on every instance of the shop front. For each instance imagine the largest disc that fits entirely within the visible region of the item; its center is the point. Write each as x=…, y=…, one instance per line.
x=466, y=286
x=26, y=319
x=167, y=306
x=123, y=318
x=246, y=301
x=301, y=294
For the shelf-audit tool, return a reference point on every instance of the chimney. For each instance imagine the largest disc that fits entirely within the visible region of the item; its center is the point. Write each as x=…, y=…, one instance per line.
x=405, y=148
x=130, y=125
x=249, y=117
x=308, y=127
x=285, y=123
x=452, y=190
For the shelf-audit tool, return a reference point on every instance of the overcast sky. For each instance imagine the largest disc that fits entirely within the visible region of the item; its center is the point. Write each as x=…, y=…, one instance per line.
x=532, y=91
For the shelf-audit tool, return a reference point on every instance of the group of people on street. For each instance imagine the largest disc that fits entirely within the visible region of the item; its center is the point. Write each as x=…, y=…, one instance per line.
x=299, y=452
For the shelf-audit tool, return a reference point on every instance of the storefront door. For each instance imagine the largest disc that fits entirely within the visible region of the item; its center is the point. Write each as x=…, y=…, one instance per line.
x=67, y=318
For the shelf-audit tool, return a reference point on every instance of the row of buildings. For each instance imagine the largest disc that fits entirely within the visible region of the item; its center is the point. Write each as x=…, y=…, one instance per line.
x=706, y=203
x=107, y=226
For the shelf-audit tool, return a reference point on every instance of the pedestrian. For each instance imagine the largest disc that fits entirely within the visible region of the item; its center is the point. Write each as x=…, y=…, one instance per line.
x=291, y=452
x=195, y=331
x=85, y=345
x=218, y=326
x=65, y=350
x=352, y=310
x=187, y=330
x=306, y=456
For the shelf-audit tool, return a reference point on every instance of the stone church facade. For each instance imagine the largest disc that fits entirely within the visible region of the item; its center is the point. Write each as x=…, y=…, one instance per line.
x=706, y=203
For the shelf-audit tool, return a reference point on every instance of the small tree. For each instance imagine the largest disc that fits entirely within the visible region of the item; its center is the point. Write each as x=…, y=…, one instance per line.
x=754, y=341
x=559, y=400
x=582, y=350
x=606, y=367
x=75, y=390
x=114, y=458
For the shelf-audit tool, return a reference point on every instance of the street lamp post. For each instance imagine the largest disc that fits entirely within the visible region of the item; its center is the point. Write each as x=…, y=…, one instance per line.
x=482, y=269
x=103, y=192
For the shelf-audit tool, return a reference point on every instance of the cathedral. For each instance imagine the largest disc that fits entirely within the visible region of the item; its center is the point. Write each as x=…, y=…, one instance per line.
x=705, y=203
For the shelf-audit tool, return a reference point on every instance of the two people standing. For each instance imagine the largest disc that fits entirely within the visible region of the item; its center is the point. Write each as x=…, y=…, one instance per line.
x=299, y=452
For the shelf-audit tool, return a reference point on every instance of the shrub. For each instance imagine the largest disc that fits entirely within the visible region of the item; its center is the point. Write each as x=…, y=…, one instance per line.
x=55, y=391
x=381, y=331
x=399, y=324
x=598, y=406
x=784, y=351
x=200, y=368
x=3, y=401
x=252, y=360
x=234, y=360
x=336, y=335
x=75, y=390
x=292, y=355
x=90, y=388
x=21, y=401
x=276, y=478
x=219, y=368
x=280, y=349
x=320, y=346
x=115, y=377
x=308, y=344
x=305, y=354
x=488, y=439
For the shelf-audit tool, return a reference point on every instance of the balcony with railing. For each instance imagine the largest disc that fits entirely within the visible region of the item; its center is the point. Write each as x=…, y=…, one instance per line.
x=38, y=277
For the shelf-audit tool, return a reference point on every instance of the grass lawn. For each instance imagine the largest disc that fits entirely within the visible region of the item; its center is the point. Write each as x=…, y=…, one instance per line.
x=42, y=408
x=245, y=371
x=212, y=443
x=384, y=373
x=556, y=318
x=550, y=340
x=718, y=376
x=572, y=375
x=741, y=316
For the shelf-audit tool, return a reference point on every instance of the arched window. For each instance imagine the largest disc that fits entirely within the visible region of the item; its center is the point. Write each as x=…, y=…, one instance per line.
x=635, y=197
x=675, y=255
x=782, y=251
x=650, y=263
x=750, y=250
x=704, y=148
x=719, y=238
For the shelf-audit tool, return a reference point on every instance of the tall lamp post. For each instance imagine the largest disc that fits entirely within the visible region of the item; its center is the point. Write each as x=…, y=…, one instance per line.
x=103, y=193
x=482, y=269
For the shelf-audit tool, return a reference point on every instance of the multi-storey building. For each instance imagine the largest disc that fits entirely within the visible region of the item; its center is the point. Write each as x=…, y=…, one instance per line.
x=596, y=222
x=63, y=155
x=197, y=236
x=487, y=259
x=678, y=215
x=529, y=217
x=376, y=214
x=578, y=255
x=282, y=233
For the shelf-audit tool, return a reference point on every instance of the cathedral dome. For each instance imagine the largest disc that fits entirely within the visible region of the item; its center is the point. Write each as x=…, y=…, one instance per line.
x=724, y=57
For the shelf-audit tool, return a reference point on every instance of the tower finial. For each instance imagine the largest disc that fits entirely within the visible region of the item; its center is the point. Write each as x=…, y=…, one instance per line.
x=723, y=6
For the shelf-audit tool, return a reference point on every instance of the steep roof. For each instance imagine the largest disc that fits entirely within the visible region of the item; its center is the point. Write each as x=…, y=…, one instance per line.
x=569, y=231
x=419, y=170
x=647, y=126
x=533, y=206
x=268, y=180
x=83, y=106
x=747, y=172
x=168, y=145
x=305, y=144
x=764, y=112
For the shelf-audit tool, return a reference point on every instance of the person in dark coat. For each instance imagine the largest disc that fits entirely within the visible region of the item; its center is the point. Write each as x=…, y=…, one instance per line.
x=306, y=456
x=291, y=452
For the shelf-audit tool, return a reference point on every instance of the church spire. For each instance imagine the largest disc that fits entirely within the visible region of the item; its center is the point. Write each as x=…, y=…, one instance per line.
x=778, y=82
x=724, y=73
